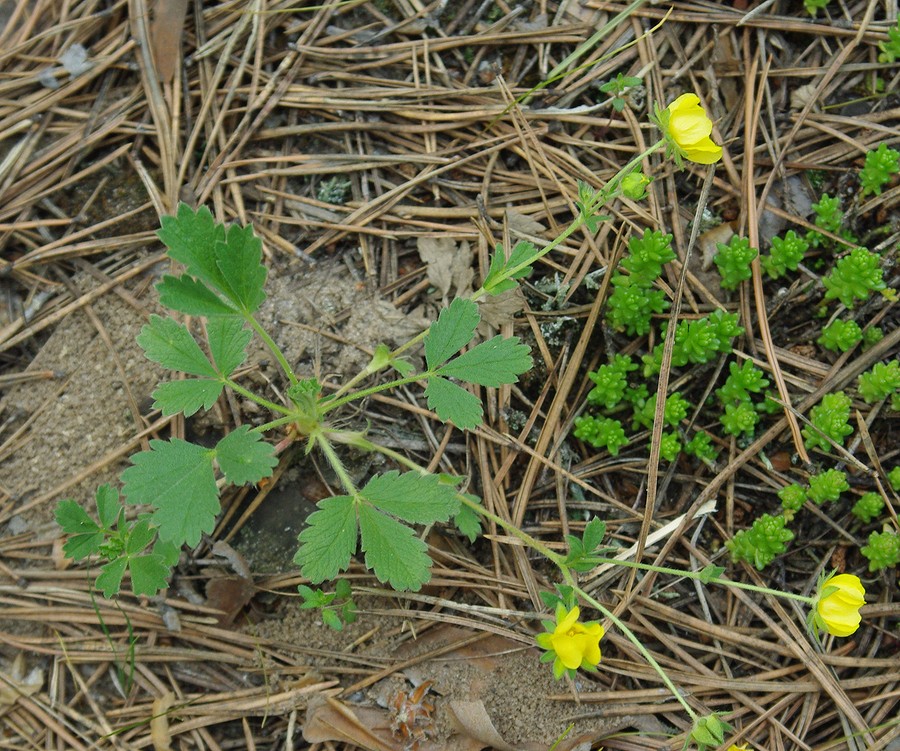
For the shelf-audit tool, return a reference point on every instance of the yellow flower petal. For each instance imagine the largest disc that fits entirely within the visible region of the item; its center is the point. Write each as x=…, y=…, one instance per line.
x=687, y=129
x=569, y=652
x=838, y=611
x=704, y=152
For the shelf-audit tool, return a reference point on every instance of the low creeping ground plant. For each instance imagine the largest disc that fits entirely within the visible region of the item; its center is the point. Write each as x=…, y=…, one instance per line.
x=176, y=483
x=854, y=277
x=881, y=164
x=829, y=419
x=733, y=261
x=840, y=335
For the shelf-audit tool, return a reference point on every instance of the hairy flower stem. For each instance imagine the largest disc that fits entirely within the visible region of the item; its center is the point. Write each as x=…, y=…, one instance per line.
x=335, y=461
x=526, y=538
x=698, y=575
x=237, y=388
x=274, y=349
x=632, y=637
x=609, y=191
x=361, y=442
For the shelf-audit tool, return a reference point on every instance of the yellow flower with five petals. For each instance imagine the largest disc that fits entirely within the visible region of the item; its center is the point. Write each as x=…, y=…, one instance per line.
x=570, y=643
x=687, y=129
x=836, y=609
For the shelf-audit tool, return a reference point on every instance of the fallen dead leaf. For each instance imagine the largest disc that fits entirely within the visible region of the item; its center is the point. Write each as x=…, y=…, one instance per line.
x=448, y=264
x=159, y=722
x=15, y=683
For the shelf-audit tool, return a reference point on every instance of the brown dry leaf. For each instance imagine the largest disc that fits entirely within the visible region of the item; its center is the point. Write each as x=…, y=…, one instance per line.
x=502, y=308
x=229, y=594
x=801, y=95
x=523, y=224
x=327, y=719
x=708, y=243
x=472, y=720
x=165, y=36
x=159, y=722
x=15, y=683
x=486, y=686
x=449, y=264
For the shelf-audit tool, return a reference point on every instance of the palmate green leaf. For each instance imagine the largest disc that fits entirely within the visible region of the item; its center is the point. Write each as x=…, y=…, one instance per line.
x=239, y=258
x=192, y=297
x=85, y=536
x=140, y=536
x=393, y=552
x=177, y=479
x=414, y=498
x=244, y=457
x=186, y=396
x=492, y=363
x=110, y=579
x=169, y=343
x=149, y=574
x=228, y=340
x=328, y=543
x=191, y=237
x=453, y=403
x=452, y=331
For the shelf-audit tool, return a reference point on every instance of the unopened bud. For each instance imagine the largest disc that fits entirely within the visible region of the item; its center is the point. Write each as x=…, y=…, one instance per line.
x=634, y=186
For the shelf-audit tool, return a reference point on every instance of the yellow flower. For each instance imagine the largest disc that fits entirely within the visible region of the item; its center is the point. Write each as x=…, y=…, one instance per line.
x=838, y=603
x=570, y=644
x=686, y=128
x=735, y=747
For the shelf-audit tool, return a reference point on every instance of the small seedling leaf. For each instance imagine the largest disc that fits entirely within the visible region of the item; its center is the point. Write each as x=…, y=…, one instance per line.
x=186, y=396
x=710, y=572
x=492, y=363
x=393, y=552
x=191, y=237
x=169, y=343
x=244, y=457
x=329, y=541
x=238, y=257
x=466, y=520
x=108, y=505
x=453, y=403
x=176, y=478
x=332, y=620
x=499, y=279
x=192, y=297
x=452, y=331
x=228, y=340
x=594, y=532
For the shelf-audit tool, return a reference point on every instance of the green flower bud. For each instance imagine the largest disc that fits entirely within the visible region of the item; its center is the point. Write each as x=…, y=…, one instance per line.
x=634, y=186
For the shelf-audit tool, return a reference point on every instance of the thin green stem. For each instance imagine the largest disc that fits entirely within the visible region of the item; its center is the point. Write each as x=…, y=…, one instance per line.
x=601, y=197
x=698, y=575
x=361, y=442
x=335, y=461
x=273, y=348
x=526, y=538
x=632, y=637
x=363, y=393
x=258, y=399
x=265, y=427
